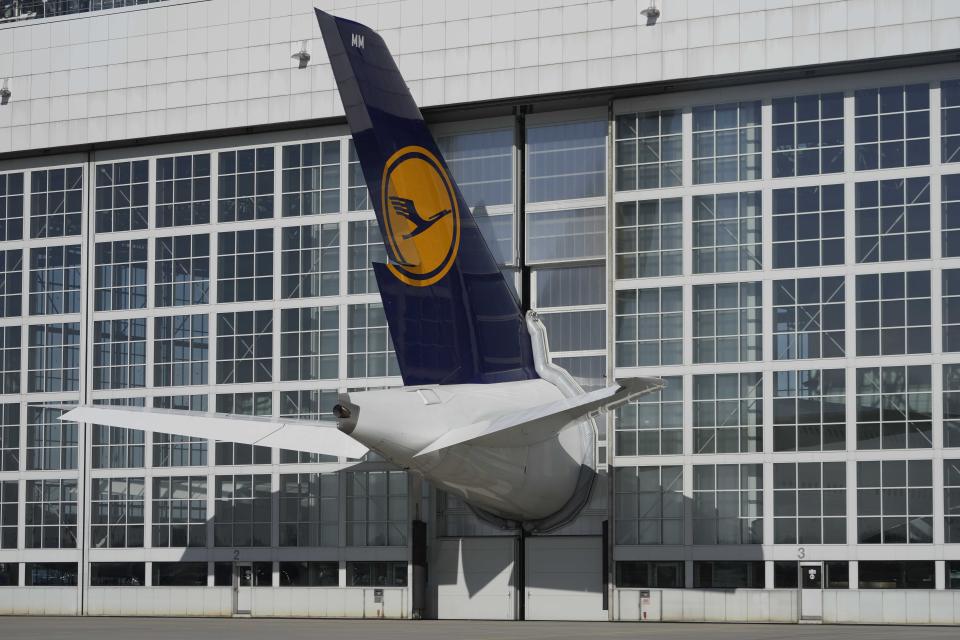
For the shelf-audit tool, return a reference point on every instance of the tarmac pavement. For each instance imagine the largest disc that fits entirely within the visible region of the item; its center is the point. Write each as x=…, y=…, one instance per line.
x=286, y=629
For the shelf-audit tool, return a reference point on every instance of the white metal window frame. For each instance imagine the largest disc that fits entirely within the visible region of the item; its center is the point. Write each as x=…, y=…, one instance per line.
x=847, y=84
x=87, y=316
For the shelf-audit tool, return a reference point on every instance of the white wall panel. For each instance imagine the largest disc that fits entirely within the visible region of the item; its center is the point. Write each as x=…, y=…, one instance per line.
x=891, y=607
x=205, y=601
x=160, y=601
x=329, y=603
x=39, y=601
x=133, y=72
x=695, y=605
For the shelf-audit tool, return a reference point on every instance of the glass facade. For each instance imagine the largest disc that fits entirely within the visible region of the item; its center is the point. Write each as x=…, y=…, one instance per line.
x=649, y=150
x=727, y=232
x=812, y=385
x=892, y=126
x=808, y=226
x=807, y=135
x=777, y=260
x=810, y=503
x=196, y=285
x=726, y=142
x=809, y=318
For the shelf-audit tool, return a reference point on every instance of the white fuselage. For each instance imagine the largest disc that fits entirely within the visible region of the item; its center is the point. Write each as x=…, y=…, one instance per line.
x=523, y=483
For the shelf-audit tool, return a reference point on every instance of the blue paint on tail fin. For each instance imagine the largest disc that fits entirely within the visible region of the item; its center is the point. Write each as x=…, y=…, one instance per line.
x=452, y=316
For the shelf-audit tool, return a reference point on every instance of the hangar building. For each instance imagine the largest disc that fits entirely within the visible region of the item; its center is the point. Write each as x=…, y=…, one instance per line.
x=757, y=199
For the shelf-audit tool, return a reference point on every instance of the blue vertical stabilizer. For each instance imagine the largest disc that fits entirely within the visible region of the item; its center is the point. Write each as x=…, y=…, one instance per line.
x=452, y=316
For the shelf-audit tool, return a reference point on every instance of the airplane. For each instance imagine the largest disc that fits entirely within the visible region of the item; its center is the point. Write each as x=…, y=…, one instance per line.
x=483, y=413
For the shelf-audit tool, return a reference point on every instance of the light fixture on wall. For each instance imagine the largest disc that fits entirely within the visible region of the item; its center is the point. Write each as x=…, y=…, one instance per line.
x=651, y=12
x=5, y=92
x=302, y=56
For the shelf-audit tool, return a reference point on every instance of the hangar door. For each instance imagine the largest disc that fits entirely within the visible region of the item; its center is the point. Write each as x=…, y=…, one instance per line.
x=564, y=578
x=474, y=578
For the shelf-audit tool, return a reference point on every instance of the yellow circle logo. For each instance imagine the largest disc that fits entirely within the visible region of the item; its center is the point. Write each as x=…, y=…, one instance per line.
x=421, y=216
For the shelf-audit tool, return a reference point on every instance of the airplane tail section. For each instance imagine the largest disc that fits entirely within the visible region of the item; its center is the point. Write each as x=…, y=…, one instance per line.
x=452, y=316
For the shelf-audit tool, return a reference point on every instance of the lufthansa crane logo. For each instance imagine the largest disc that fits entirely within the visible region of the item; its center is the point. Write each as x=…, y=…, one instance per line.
x=421, y=216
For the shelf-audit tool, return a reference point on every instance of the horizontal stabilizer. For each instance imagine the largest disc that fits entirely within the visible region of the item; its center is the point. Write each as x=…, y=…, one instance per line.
x=312, y=437
x=534, y=425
